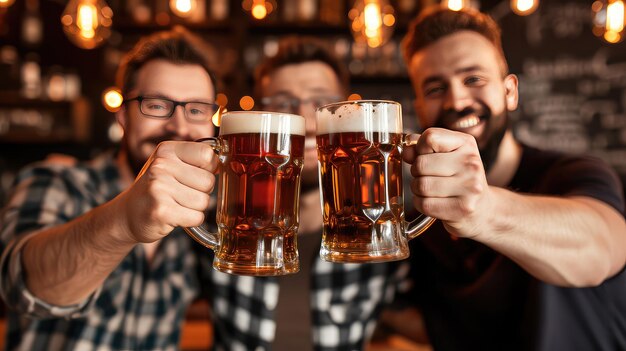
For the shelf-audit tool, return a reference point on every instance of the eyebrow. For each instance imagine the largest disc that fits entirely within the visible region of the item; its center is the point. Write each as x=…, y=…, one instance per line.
x=313, y=90
x=163, y=96
x=437, y=78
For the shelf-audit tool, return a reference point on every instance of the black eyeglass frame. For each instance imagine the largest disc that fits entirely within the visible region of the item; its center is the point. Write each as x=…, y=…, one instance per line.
x=295, y=103
x=141, y=98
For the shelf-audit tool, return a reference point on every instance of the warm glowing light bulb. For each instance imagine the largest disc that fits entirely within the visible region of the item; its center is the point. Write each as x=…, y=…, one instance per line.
x=86, y=22
x=112, y=99
x=183, y=5
x=612, y=37
x=456, y=5
x=372, y=16
x=183, y=8
x=524, y=7
x=608, y=20
x=615, y=17
x=372, y=21
x=6, y=3
x=259, y=10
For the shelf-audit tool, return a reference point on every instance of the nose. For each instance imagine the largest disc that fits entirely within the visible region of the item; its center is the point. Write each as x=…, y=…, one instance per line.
x=177, y=124
x=457, y=97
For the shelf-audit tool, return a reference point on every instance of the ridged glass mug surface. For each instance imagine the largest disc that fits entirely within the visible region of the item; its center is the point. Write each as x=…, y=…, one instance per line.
x=261, y=157
x=359, y=147
x=258, y=197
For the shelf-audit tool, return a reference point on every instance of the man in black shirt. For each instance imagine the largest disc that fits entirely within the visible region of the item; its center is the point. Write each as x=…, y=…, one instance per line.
x=530, y=246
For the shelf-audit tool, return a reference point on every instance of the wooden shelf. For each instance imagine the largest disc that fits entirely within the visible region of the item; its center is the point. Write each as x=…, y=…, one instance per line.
x=42, y=121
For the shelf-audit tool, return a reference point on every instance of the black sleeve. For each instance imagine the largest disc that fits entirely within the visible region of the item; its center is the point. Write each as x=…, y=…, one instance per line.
x=584, y=176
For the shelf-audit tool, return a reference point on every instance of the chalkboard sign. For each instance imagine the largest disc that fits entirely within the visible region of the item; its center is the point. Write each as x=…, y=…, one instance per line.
x=572, y=83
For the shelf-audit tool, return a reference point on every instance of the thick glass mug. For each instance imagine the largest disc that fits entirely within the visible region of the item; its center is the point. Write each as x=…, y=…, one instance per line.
x=261, y=157
x=359, y=147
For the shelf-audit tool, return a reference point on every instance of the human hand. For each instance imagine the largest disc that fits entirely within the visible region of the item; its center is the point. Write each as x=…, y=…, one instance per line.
x=449, y=181
x=171, y=190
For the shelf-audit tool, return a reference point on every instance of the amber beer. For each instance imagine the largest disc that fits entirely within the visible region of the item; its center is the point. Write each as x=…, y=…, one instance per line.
x=360, y=163
x=261, y=157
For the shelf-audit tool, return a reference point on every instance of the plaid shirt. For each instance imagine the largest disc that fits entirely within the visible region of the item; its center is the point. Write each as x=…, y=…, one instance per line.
x=141, y=306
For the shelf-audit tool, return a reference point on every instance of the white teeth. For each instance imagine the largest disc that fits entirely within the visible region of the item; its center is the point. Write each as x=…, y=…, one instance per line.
x=467, y=122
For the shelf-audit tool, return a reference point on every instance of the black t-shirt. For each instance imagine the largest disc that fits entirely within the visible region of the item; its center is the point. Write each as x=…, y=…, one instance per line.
x=473, y=298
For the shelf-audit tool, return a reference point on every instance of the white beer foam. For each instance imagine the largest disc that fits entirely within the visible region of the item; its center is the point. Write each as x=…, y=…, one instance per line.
x=378, y=116
x=238, y=122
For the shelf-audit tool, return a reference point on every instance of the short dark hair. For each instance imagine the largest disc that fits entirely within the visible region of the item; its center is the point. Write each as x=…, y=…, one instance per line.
x=437, y=22
x=300, y=49
x=178, y=46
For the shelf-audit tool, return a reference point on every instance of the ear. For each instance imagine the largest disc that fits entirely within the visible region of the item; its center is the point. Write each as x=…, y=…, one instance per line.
x=121, y=117
x=510, y=87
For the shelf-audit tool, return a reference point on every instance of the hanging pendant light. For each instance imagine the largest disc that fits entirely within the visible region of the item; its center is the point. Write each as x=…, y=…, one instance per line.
x=259, y=9
x=6, y=3
x=86, y=22
x=372, y=22
x=456, y=5
x=608, y=20
x=183, y=8
x=524, y=7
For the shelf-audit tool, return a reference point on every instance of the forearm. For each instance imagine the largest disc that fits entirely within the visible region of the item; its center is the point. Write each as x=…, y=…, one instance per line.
x=65, y=264
x=562, y=241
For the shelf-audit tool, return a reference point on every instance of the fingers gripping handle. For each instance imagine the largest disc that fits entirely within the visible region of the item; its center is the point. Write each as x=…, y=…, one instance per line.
x=422, y=222
x=201, y=234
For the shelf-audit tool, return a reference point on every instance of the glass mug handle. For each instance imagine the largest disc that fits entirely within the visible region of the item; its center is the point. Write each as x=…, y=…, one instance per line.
x=422, y=222
x=201, y=234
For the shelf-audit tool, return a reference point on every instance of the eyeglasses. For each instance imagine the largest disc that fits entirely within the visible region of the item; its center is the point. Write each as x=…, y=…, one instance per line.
x=291, y=104
x=196, y=112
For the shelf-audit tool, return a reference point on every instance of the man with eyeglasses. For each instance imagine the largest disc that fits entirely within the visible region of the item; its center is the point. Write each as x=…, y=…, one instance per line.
x=325, y=306
x=93, y=254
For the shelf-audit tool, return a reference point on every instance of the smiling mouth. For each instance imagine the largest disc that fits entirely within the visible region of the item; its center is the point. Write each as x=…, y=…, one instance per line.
x=465, y=123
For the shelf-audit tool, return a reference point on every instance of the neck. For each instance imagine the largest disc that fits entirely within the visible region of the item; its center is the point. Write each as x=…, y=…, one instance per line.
x=507, y=162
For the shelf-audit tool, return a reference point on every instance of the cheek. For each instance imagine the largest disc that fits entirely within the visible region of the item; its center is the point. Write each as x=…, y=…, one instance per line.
x=495, y=99
x=143, y=130
x=429, y=113
x=148, y=129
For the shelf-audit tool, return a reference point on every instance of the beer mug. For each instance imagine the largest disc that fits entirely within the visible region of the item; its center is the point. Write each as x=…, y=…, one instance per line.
x=359, y=148
x=260, y=160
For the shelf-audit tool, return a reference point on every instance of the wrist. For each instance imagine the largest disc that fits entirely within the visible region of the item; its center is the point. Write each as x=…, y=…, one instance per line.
x=113, y=215
x=497, y=217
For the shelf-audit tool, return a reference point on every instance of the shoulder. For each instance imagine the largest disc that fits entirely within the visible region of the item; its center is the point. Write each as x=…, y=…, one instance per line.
x=63, y=176
x=49, y=192
x=577, y=175
x=49, y=170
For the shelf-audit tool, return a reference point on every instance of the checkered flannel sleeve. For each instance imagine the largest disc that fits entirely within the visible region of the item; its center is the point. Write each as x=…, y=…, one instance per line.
x=39, y=200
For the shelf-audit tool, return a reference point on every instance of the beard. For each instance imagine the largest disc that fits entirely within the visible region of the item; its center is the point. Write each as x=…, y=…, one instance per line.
x=136, y=160
x=490, y=139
